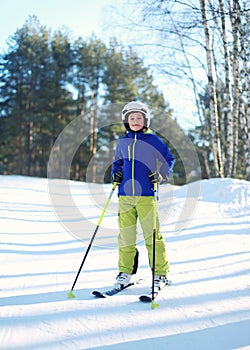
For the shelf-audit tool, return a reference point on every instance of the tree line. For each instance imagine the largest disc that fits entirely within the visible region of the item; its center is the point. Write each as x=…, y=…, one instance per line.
x=48, y=79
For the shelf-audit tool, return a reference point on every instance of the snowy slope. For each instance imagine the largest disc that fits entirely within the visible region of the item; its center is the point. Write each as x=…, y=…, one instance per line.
x=206, y=225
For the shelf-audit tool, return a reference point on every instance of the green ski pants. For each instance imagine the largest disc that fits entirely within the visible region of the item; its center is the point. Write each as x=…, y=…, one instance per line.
x=130, y=209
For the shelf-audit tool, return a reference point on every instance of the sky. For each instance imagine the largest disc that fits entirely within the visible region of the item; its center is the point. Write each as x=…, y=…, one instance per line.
x=84, y=18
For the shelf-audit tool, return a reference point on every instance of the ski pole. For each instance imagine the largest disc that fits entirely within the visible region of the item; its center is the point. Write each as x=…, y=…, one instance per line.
x=153, y=304
x=70, y=293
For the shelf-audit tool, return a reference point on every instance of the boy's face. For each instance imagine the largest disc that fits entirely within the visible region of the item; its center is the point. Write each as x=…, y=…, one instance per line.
x=136, y=121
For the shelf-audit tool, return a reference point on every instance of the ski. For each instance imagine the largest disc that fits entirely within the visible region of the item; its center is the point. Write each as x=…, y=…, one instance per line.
x=148, y=298
x=113, y=291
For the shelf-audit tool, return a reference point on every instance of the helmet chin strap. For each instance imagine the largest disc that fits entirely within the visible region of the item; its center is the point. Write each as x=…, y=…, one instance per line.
x=141, y=130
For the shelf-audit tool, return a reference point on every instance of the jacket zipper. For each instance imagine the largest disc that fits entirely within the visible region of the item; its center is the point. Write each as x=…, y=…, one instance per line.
x=129, y=152
x=133, y=165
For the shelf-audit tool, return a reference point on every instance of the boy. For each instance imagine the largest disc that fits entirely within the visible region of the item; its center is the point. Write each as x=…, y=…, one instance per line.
x=138, y=156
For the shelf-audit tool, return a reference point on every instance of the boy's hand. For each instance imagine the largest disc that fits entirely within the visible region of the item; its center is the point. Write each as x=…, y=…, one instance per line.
x=117, y=177
x=155, y=177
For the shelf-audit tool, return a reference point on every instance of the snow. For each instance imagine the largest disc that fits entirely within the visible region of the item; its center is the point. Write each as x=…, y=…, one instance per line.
x=206, y=225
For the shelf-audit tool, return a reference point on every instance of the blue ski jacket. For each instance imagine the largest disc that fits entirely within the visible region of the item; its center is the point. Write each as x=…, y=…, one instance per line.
x=136, y=155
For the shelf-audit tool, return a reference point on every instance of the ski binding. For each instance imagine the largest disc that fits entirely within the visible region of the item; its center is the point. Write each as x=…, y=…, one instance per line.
x=148, y=298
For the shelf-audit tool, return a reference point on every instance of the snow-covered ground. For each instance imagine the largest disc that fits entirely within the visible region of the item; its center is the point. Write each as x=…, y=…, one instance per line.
x=206, y=225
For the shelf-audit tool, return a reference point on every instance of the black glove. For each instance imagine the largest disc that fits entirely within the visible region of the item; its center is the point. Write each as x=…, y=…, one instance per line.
x=155, y=177
x=117, y=177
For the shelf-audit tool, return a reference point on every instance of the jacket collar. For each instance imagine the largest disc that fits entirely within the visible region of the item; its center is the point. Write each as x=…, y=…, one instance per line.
x=139, y=134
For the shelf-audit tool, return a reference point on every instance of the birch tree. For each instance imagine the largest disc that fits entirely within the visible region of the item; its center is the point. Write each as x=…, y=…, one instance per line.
x=245, y=115
x=203, y=42
x=230, y=129
x=214, y=118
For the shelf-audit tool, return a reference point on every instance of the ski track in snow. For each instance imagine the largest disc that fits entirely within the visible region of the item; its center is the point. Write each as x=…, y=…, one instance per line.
x=206, y=226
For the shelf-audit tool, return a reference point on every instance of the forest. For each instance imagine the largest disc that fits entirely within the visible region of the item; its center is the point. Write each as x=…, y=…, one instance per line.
x=61, y=98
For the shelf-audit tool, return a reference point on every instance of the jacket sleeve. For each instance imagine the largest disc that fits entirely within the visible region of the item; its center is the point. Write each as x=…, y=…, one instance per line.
x=118, y=161
x=167, y=162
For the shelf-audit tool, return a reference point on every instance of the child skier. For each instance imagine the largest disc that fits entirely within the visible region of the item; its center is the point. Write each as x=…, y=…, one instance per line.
x=141, y=160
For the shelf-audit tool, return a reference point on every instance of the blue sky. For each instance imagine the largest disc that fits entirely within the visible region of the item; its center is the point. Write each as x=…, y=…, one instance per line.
x=82, y=17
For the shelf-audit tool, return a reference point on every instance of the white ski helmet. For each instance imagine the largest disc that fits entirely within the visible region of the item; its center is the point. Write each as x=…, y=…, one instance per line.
x=135, y=106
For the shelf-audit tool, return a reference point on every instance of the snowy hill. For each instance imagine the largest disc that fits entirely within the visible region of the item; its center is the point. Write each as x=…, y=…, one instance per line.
x=206, y=225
